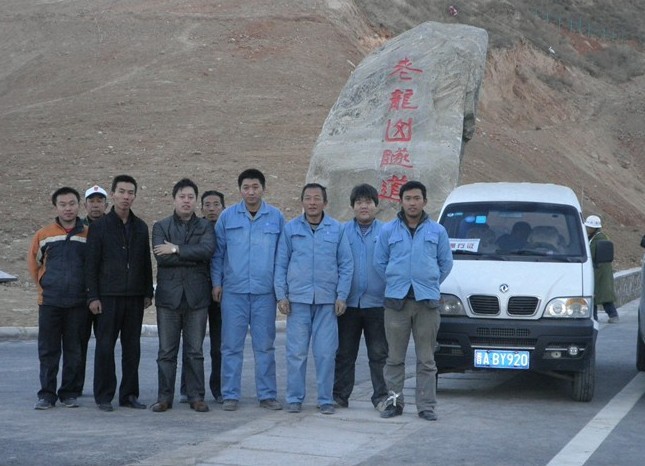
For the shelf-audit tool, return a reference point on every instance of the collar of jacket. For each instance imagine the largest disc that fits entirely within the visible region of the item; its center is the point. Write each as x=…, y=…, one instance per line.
x=178, y=219
x=78, y=226
x=113, y=213
x=401, y=216
x=240, y=208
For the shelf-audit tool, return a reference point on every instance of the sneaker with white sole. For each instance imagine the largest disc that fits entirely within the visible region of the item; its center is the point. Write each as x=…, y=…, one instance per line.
x=43, y=404
x=70, y=402
x=229, y=405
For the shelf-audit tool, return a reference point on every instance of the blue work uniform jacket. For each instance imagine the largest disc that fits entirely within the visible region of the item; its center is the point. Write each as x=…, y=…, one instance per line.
x=313, y=267
x=245, y=249
x=368, y=287
x=422, y=261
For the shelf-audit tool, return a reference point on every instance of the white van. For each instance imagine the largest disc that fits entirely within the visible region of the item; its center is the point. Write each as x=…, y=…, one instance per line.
x=520, y=294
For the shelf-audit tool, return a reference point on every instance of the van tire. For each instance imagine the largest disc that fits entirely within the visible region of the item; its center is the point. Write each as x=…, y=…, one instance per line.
x=584, y=382
x=640, y=352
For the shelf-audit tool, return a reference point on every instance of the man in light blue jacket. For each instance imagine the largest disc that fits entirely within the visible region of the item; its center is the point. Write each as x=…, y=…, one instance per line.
x=364, y=313
x=413, y=255
x=313, y=275
x=247, y=236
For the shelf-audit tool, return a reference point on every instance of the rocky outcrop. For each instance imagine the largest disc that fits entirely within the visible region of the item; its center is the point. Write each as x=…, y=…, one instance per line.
x=405, y=114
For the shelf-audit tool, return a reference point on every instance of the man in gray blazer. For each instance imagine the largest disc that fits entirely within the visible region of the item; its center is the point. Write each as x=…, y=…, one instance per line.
x=183, y=245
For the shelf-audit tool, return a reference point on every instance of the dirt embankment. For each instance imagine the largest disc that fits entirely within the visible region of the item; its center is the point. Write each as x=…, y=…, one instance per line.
x=167, y=89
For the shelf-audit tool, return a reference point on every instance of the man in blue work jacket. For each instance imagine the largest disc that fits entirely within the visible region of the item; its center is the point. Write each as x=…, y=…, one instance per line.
x=313, y=276
x=413, y=255
x=364, y=314
x=247, y=235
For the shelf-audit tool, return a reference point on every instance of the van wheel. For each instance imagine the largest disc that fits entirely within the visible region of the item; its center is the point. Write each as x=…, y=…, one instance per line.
x=640, y=352
x=584, y=382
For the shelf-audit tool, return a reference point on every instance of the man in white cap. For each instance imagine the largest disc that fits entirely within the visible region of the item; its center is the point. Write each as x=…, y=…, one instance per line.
x=602, y=273
x=95, y=204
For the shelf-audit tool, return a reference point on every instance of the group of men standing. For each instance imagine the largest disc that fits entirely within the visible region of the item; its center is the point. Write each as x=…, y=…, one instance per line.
x=333, y=281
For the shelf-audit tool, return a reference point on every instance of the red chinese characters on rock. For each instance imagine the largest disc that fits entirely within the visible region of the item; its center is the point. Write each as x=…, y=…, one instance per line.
x=400, y=100
x=403, y=69
x=400, y=158
x=398, y=130
x=390, y=187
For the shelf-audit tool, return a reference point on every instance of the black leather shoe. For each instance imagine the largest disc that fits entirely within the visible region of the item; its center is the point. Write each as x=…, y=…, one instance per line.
x=392, y=411
x=161, y=407
x=107, y=407
x=428, y=415
x=132, y=402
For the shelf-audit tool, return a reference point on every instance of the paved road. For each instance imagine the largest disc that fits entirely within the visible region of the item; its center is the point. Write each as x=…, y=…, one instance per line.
x=504, y=418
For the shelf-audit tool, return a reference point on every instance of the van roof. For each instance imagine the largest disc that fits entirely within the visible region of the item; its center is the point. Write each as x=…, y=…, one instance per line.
x=514, y=192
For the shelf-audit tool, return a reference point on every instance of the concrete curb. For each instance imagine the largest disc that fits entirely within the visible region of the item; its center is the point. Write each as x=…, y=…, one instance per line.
x=31, y=333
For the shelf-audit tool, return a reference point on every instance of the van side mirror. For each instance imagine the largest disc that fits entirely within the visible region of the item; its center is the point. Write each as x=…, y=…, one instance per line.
x=604, y=252
x=643, y=242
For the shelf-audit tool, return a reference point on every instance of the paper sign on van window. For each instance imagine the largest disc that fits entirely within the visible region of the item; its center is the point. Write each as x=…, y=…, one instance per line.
x=466, y=244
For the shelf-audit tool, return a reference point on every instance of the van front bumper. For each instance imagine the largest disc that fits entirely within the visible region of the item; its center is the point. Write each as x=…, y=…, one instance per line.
x=553, y=345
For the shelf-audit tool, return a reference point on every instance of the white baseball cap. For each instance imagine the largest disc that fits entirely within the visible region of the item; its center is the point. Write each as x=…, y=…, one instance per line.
x=96, y=189
x=593, y=221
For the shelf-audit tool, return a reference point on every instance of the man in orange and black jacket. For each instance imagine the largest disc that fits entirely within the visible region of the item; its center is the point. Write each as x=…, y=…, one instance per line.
x=56, y=262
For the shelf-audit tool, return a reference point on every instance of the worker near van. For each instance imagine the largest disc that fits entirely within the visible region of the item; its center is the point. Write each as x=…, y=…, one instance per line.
x=413, y=255
x=603, y=274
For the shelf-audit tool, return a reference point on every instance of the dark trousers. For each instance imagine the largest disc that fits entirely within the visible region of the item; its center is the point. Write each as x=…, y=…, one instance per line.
x=87, y=334
x=122, y=315
x=189, y=326
x=351, y=325
x=215, y=332
x=609, y=308
x=60, y=328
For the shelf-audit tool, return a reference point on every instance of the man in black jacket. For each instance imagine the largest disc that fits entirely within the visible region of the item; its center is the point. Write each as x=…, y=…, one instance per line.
x=183, y=245
x=119, y=288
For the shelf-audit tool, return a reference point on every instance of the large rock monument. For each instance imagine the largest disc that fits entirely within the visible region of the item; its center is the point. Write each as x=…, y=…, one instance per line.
x=405, y=114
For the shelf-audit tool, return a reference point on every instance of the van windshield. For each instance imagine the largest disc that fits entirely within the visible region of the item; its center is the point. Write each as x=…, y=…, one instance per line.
x=522, y=231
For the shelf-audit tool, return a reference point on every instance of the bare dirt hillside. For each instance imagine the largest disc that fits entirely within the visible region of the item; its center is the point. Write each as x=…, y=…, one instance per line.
x=163, y=89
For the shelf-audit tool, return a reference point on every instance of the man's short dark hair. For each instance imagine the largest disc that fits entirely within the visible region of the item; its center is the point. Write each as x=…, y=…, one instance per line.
x=212, y=192
x=363, y=191
x=184, y=183
x=413, y=185
x=312, y=186
x=251, y=174
x=124, y=179
x=65, y=190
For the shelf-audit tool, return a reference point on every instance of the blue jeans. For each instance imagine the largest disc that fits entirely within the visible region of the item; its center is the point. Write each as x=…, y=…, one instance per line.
x=190, y=326
x=423, y=322
x=353, y=323
x=60, y=327
x=239, y=311
x=318, y=323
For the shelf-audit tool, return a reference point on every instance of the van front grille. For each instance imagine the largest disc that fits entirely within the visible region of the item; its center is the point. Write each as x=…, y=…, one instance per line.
x=522, y=305
x=484, y=305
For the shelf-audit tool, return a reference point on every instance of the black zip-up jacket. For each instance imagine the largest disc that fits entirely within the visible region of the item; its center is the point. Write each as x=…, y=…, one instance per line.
x=117, y=258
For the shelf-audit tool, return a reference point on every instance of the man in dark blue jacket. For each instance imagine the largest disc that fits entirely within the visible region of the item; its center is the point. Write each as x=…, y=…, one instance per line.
x=183, y=245
x=119, y=288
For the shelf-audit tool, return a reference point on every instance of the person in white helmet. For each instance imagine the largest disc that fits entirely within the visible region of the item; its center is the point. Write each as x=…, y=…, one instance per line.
x=603, y=273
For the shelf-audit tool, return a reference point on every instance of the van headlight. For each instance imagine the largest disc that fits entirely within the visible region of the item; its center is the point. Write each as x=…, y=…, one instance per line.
x=568, y=308
x=451, y=305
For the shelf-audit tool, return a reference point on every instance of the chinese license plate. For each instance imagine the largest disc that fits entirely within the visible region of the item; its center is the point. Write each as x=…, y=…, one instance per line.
x=501, y=359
